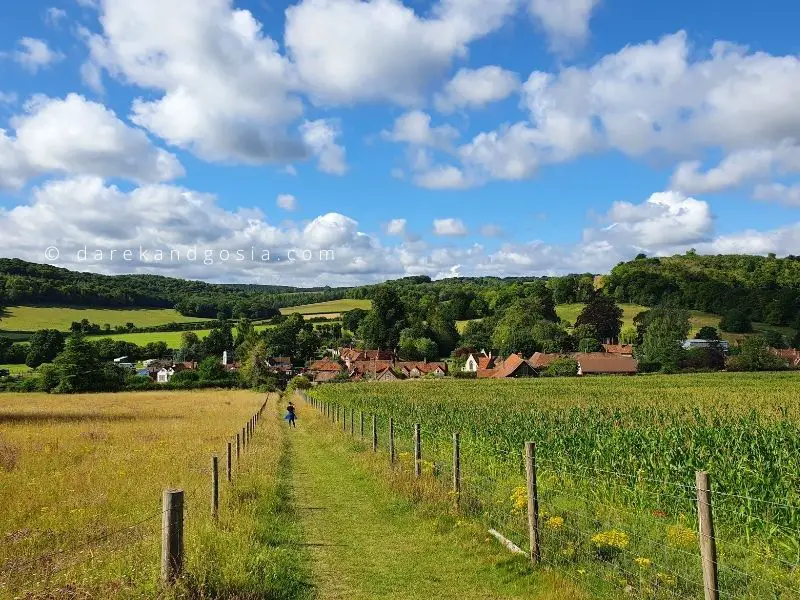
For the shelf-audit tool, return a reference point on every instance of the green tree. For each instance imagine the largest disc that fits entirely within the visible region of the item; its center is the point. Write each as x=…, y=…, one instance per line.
x=427, y=348
x=44, y=347
x=478, y=334
x=78, y=369
x=628, y=335
x=352, y=318
x=667, y=328
x=707, y=333
x=603, y=314
x=589, y=345
x=754, y=355
x=211, y=369
x=562, y=367
x=774, y=339
x=386, y=319
x=736, y=321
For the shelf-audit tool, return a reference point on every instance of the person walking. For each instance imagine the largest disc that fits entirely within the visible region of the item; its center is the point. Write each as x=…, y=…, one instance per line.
x=291, y=416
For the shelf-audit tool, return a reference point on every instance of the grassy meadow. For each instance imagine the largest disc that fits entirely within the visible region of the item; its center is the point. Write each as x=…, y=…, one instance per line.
x=33, y=318
x=81, y=479
x=329, y=309
x=617, y=458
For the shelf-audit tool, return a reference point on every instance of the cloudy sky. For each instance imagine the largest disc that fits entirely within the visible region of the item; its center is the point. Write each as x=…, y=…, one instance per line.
x=470, y=137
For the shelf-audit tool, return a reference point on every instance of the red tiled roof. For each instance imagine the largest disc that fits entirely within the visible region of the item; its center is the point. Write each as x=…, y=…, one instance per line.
x=618, y=349
x=370, y=366
x=323, y=376
x=540, y=360
x=485, y=362
x=601, y=362
x=325, y=364
x=510, y=366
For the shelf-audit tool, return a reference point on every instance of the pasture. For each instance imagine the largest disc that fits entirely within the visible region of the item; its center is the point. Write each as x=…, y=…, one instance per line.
x=330, y=308
x=81, y=479
x=619, y=454
x=33, y=318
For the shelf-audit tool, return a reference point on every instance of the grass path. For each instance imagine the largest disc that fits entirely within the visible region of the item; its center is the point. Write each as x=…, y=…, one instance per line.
x=367, y=542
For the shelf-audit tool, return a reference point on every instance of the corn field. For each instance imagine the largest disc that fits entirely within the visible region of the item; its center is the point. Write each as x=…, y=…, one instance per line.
x=617, y=459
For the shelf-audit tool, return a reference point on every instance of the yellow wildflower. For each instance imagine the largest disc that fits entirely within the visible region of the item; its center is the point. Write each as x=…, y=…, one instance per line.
x=611, y=539
x=520, y=498
x=680, y=536
x=554, y=522
x=643, y=562
x=666, y=579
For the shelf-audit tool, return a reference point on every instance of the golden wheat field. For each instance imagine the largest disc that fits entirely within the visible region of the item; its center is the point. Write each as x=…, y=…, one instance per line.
x=81, y=479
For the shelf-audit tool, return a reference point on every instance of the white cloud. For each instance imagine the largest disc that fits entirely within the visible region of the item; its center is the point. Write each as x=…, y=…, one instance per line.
x=76, y=136
x=348, y=50
x=286, y=202
x=53, y=16
x=414, y=128
x=217, y=85
x=320, y=137
x=36, y=54
x=442, y=177
x=8, y=98
x=565, y=21
x=396, y=227
x=449, y=227
x=666, y=219
x=778, y=192
x=476, y=88
x=491, y=230
x=737, y=168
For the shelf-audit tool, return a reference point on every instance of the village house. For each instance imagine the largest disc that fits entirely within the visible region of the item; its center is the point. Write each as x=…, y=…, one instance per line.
x=477, y=362
x=791, y=356
x=601, y=363
x=324, y=370
x=721, y=344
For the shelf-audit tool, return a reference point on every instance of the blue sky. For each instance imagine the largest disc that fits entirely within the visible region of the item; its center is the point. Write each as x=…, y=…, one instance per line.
x=450, y=137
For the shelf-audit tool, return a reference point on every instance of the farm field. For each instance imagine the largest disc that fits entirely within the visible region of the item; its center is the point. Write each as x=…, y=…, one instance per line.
x=81, y=479
x=16, y=369
x=33, y=318
x=617, y=459
x=330, y=308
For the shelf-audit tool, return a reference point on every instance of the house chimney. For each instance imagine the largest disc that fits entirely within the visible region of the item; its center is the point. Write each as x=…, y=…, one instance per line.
x=224, y=357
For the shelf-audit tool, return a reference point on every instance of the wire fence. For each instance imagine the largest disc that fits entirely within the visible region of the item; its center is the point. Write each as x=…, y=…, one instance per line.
x=615, y=534
x=28, y=568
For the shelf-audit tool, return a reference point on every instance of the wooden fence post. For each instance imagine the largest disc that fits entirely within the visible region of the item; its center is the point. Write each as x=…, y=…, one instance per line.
x=391, y=440
x=238, y=447
x=417, y=451
x=352, y=418
x=374, y=433
x=708, y=543
x=533, y=502
x=230, y=462
x=172, y=536
x=344, y=420
x=214, y=487
x=457, y=467
x=361, y=414
x=244, y=437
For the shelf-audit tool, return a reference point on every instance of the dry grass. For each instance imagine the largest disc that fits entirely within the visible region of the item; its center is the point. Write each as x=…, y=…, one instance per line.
x=77, y=472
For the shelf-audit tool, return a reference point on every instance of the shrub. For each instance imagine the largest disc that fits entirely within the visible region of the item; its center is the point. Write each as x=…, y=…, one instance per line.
x=562, y=367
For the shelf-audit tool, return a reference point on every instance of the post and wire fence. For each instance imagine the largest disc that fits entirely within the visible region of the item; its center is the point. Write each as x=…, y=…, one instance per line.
x=614, y=533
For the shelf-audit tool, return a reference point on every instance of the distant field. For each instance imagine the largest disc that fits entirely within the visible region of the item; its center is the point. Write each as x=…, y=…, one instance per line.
x=173, y=338
x=330, y=309
x=16, y=369
x=33, y=318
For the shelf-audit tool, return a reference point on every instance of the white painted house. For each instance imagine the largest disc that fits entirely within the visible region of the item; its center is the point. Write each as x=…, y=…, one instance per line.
x=164, y=375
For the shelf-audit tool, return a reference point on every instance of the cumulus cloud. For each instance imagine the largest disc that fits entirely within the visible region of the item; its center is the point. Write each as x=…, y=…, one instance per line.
x=778, y=192
x=449, y=227
x=442, y=177
x=396, y=227
x=737, y=168
x=414, y=128
x=222, y=89
x=475, y=88
x=8, y=97
x=34, y=54
x=396, y=54
x=320, y=137
x=566, y=22
x=76, y=136
x=286, y=202
x=666, y=219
